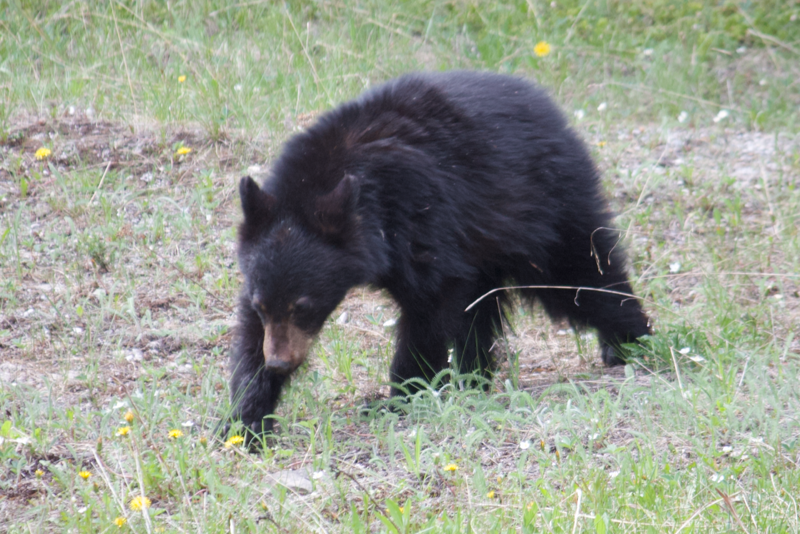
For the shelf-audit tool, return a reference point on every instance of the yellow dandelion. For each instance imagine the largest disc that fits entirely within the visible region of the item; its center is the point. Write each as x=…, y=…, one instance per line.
x=122, y=431
x=601, y=144
x=175, y=433
x=451, y=467
x=140, y=502
x=234, y=440
x=401, y=509
x=490, y=495
x=499, y=478
x=39, y=473
x=182, y=151
x=181, y=78
x=120, y=521
x=84, y=474
x=128, y=416
x=542, y=48
x=42, y=153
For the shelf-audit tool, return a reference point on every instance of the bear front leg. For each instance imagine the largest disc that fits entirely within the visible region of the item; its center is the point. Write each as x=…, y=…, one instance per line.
x=254, y=390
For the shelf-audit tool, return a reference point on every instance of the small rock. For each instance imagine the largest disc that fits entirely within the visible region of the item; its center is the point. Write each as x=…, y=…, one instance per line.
x=42, y=209
x=343, y=318
x=295, y=480
x=9, y=372
x=134, y=355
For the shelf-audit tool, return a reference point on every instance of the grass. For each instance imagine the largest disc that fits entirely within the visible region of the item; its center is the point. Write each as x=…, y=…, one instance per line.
x=118, y=276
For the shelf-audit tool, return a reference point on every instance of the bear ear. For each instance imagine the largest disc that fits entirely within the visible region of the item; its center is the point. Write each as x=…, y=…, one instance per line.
x=333, y=210
x=257, y=204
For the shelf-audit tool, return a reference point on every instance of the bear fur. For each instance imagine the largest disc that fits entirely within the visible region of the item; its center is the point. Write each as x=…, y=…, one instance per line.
x=437, y=187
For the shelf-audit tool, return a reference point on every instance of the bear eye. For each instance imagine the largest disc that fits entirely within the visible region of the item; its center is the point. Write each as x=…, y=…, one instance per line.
x=303, y=305
x=259, y=307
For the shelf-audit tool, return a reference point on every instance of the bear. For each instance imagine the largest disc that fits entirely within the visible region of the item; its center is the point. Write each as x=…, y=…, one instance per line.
x=438, y=188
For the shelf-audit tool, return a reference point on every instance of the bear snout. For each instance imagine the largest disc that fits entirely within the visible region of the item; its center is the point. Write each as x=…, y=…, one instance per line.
x=285, y=347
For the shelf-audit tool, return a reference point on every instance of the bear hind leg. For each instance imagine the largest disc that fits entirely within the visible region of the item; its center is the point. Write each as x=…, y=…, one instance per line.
x=605, y=301
x=473, y=344
x=420, y=354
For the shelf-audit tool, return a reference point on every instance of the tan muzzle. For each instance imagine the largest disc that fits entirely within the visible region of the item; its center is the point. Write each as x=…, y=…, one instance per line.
x=285, y=347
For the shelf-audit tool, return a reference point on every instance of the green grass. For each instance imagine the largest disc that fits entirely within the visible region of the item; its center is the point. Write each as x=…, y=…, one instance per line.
x=249, y=67
x=118, y=276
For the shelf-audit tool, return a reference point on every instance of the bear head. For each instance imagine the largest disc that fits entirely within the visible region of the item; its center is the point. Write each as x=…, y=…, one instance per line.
x=299, y=260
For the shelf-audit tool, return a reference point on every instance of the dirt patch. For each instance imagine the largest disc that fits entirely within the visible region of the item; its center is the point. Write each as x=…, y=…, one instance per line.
x=80, y=141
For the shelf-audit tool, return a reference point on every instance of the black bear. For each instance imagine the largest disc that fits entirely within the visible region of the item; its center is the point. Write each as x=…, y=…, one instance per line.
x=438, y=187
